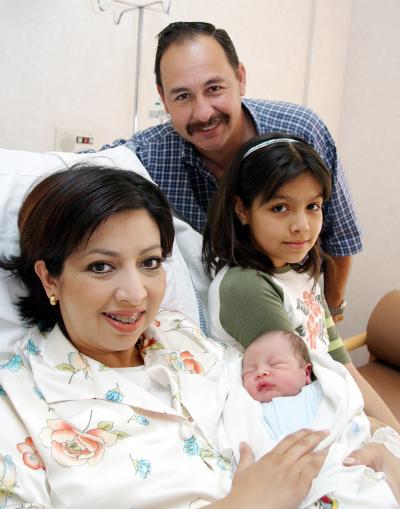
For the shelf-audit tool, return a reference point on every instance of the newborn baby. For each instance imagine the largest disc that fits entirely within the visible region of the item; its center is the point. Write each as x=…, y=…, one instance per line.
x=277, y=372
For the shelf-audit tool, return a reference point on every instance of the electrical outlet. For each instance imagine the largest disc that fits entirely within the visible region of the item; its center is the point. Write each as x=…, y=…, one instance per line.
x=73, y=139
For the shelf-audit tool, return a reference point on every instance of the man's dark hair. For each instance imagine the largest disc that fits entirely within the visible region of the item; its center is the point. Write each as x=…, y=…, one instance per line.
x=181, y=31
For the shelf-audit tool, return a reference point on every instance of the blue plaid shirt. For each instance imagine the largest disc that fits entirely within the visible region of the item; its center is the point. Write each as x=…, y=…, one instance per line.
x=176, y=166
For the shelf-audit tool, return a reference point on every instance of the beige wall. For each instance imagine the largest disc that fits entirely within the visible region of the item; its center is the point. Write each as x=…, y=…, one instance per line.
x=61, y=65
x=65, y=64
x=369, y=141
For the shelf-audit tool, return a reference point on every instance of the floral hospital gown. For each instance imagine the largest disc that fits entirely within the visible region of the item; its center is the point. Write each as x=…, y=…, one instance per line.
x=77, y=434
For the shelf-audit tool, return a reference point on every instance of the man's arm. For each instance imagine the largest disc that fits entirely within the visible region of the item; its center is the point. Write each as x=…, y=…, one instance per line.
x=336, y=274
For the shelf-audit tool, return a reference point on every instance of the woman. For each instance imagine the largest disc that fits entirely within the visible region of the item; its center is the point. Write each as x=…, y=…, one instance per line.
x=98, y=408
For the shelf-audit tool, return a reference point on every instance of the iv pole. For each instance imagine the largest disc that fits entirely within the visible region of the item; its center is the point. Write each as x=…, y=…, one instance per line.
x=164, y=6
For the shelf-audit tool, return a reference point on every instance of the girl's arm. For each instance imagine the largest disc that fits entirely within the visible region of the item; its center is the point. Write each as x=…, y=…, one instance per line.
x=373, y=404
x=281, y=478
x=378, y=457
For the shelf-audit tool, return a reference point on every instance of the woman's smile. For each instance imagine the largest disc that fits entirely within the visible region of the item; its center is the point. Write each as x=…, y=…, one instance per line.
x=111, y=287
x=125, y=321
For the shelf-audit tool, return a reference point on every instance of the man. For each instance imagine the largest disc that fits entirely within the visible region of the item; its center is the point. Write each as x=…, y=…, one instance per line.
x=201, y=84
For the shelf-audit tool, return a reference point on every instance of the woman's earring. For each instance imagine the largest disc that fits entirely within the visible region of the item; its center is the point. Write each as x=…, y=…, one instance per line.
x=244, y=222
x=53, y=301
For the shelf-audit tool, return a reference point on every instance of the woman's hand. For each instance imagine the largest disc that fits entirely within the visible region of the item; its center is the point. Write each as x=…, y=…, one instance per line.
x=281, y=478
x=380, y=459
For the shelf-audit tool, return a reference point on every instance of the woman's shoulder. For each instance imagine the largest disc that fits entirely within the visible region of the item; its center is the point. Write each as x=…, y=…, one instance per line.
x=176, y=332
x=20, y=349
x=35, y=348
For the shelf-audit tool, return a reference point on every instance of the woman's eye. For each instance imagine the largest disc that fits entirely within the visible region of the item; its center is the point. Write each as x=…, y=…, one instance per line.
x=152, y=263
x=314, y=206
x=100, y=268
x=280, y=208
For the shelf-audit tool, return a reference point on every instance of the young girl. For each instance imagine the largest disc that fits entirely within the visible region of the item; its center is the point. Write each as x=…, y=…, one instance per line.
x=261, y=240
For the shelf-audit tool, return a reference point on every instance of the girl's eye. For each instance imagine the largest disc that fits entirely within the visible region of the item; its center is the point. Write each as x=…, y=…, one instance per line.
x=153, y=263
x=280, y=208
x=314, y=207
x=100, y=268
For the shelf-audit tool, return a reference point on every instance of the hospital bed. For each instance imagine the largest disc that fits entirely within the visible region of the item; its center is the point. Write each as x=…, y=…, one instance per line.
x=187, y=284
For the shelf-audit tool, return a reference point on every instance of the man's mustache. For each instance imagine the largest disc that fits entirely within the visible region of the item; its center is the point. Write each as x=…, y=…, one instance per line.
x=198, y=126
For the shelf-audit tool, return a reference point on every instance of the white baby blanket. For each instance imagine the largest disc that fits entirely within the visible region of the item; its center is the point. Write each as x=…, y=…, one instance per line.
x=340, y=412
x=287, y=414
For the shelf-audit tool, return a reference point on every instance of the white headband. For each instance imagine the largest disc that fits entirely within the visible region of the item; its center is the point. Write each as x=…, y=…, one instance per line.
x=267, y=143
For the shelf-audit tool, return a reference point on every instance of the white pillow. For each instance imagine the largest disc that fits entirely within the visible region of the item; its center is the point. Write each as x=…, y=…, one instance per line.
x=19, y=170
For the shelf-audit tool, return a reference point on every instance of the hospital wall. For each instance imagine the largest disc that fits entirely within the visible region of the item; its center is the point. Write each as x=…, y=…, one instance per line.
x=369, y=134
x=65, y=64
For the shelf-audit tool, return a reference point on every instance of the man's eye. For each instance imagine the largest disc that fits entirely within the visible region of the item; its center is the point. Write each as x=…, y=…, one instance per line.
x=100, y=268
x=181, y=97
x=280, y=208
x=215, y=88
x=152, y=263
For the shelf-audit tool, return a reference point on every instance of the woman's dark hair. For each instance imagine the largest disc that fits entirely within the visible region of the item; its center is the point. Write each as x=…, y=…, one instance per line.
x=181, y=31
x=61, y=212
x=260, y=174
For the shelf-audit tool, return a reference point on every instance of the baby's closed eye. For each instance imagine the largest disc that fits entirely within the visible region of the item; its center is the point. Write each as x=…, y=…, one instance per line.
x=247, y=372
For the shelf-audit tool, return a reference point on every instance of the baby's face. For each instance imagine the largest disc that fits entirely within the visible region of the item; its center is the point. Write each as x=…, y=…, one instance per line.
x=271, y=369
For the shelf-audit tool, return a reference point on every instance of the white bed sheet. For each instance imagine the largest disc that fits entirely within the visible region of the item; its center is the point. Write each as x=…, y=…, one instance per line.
x=19, y=170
